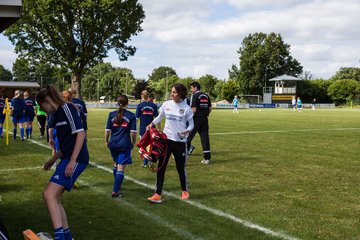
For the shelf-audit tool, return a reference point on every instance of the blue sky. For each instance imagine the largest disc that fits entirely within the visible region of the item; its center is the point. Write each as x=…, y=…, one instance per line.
x=197, y=37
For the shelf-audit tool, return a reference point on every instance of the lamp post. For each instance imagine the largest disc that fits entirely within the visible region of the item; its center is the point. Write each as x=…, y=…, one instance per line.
x=126, y=82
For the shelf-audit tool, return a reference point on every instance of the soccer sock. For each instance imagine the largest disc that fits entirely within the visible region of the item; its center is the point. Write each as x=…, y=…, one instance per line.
x=59, y=234
x=14, y=131
x=145, y=161
x=22, y=132
x=1, y=130
x=114, y=171
x=118, y=181
x=30, y=131
x=67, y=234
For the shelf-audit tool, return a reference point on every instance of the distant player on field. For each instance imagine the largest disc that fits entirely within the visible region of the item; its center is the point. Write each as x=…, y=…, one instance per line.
x=235, y=103
x=2, y=115
x=120, y=137
x=73, y=154
x=293, y=103
x=146, y=111
x=299, y=104
x=29, y=113
x=18, y=114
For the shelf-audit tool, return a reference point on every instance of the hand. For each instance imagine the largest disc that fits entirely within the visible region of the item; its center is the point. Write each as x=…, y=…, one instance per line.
x=149, y=126
x=69, y=169
x=49, y=164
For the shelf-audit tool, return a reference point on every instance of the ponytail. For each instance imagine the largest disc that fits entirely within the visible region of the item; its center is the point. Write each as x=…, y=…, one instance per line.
x=51, y=92
x=122, y=102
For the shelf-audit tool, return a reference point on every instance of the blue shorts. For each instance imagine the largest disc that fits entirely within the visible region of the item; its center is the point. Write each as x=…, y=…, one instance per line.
x=18, y=119
x=59, y=175
x=299, y=106
x=2, y=118
x=122, y=157
x=29, y=118
x=293, y=105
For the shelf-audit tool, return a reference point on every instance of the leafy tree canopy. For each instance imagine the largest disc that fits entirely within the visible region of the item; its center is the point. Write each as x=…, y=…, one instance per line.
x=263, y=56
x=207, y=84
x=161, y=73
x=5, y=74
x=347, y=73
x=346, y=90
x=76, y=34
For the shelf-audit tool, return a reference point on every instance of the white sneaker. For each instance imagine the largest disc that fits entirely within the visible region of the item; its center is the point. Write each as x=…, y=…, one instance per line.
x=205, y=161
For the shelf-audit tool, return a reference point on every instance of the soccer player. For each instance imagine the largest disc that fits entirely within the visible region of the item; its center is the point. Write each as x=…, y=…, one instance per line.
x=2, y=115
x=176, y=113
x=73, y=154
x=201, y=107
x=29, y=114
x=41, y=118
x=18, y=114
x=299, y=104
x=121, y=129
x=80, y=104
x=235, y=103
x=313, y=104
x=293, y=103
x=145, y=112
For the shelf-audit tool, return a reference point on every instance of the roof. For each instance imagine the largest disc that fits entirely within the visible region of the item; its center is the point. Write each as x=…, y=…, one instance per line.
x=11, y=84
x=285, y=78
x=10, y=12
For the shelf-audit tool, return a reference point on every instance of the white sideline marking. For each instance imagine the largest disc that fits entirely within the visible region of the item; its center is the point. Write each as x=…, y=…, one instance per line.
x=20, y=169
x=283, y=131
x=156, y=218
x=198, y=205
x=267, y=131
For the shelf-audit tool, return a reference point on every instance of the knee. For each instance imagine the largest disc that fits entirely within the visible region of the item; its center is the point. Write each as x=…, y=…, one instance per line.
x=48, y=195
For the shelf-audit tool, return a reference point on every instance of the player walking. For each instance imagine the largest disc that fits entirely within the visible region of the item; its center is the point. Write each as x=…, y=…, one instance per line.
x=18, y=114
x=29, y=114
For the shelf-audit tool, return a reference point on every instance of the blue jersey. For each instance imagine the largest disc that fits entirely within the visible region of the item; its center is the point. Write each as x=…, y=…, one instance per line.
x=2, y=106
x=67, y=122
x=146, y=112
x=29, y=107
x=120, y=133
x=80, y=104
x=18, y=107
x=235, y=101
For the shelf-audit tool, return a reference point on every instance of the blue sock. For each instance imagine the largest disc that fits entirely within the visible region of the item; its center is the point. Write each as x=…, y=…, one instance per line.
x=67, y=234
x=22, y=132
x=59, y=234
x=114, y=171
x=14, y=131
x=118, y=181
x=1, y=131
x=145, y=161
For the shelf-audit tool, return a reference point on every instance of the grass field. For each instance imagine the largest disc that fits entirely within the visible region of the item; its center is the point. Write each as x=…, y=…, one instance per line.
x=275, y=174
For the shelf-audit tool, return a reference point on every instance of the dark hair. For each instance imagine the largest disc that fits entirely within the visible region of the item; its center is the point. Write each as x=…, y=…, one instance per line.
x=195, y=84
x=122, y=102
x=181, y=89
x=51, y=92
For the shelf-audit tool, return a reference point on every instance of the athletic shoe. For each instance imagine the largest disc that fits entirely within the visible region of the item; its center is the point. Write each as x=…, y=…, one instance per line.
x=156, y=198
x=144, y=165
x=205, y=161
x=115, y=194
x=185, y=195
x=76, y=185
x=41, y=136
x=191, y=149
x=22, y=139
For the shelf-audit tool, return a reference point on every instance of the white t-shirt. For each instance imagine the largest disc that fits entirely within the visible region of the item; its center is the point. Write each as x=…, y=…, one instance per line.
x=177, y=115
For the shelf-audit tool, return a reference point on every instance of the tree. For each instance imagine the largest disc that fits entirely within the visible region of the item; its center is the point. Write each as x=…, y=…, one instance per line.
x=207, y=84
x=262, y=57
x=342, y=91
x=114, y=83
x=5, y=74
x=139, y=86
x=21, y=69
x=76, y=34
x=347, y=73
x=161, y=73
x=229, y=90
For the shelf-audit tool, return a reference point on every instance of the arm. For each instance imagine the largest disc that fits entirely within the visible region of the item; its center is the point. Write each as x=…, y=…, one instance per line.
x=133, y=137
x=80, y=138
x=193, y=109
x=52, y=160
x=107, y=135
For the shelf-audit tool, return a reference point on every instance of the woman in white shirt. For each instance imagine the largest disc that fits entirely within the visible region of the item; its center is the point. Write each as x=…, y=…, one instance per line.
x=177, y=113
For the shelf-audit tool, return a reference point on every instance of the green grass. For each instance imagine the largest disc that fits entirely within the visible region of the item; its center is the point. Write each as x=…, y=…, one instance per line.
x=293, y=173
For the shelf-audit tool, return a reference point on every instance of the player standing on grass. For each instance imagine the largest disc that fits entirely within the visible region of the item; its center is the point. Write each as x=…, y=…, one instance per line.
x=146, y=112
x=235, y=103
x=299, y=104
x=2, y=114
x=201, y=107
x=18, y=114
x=293, y=103
x=73, y=154
x=177, y=113
x=120, y=125
x=29, y=114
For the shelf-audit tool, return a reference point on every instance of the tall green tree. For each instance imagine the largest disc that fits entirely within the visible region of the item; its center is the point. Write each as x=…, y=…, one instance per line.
x=229, y=89
x=76, y=34
x=347, y=73
x=346, y=90
x=21, y=70
x=5, y=74
x=263, y=56
x=162, y=73
x=114, y=83
x=207, y=84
